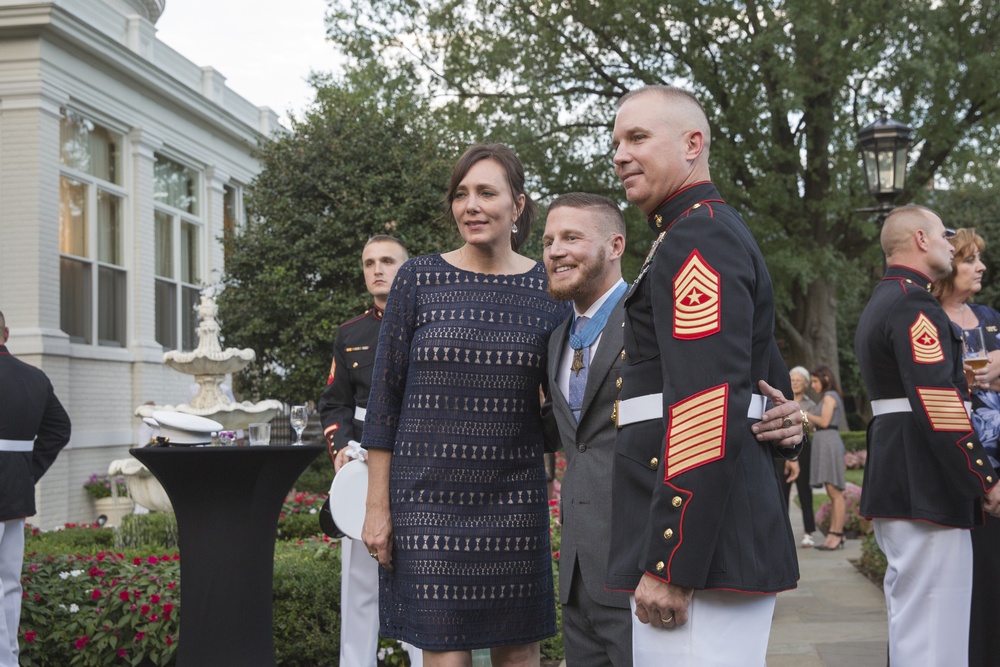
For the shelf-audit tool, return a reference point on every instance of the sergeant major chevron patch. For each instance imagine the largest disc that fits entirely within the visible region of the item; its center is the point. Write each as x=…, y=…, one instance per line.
x=697, y=299
x=926, y=341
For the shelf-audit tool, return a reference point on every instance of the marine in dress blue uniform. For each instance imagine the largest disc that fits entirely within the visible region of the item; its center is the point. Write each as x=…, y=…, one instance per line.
x=34, y=427
x=343, y=402
x=696, y=502
x=927, y=474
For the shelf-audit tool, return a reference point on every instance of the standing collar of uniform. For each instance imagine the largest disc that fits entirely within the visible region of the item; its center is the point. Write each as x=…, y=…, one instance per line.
x=377, y=312
x=682, y=200
x=900, y=272
x=3, y=349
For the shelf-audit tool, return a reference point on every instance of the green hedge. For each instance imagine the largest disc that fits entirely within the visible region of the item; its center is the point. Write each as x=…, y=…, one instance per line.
x=306, y=603
x=854, y=441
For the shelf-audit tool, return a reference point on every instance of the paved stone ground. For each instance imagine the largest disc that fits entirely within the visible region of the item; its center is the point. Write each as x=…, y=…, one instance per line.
x=835, y=618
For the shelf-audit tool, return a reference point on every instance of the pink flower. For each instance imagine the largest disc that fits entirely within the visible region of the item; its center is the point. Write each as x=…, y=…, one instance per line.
x=30, y=636
x=123, y=596
x=81, y=642
x=169, y=640
x=139, y=636
x=122, y=653
x=96, y=594
x=152, y=560
x=154, y=598
x=144, y=609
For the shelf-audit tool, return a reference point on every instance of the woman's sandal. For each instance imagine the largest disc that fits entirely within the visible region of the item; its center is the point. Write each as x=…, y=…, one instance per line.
x=840, y=545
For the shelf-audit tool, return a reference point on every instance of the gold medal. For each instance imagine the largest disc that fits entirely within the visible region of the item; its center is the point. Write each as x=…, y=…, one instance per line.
x=577, y=361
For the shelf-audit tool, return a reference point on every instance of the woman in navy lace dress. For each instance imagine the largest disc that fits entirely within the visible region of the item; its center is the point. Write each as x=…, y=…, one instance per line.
x=954, y=293
x=457, y=510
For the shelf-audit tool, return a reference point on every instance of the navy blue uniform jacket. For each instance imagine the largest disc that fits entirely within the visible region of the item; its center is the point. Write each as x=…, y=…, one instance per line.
x=29, y=410
x=695, y=499
x=926, y=463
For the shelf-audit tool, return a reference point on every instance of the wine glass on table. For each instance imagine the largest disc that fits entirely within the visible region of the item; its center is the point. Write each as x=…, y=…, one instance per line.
x=299, y=418
x=973, y=354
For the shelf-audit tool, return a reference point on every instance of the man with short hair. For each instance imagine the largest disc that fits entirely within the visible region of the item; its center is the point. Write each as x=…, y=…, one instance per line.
x=701, y=536
x=342, y=414
x=582, y=245
x=34, y=427
x=927, y=476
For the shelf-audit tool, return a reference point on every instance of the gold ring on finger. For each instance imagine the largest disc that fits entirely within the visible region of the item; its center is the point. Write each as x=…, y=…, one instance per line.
x=787, y=423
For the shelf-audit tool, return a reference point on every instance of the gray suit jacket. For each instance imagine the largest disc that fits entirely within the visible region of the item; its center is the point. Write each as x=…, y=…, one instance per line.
x=589, y=448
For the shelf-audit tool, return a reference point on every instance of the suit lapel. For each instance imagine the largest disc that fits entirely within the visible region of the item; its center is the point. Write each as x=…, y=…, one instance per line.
x=612, y=339
x=561, y=335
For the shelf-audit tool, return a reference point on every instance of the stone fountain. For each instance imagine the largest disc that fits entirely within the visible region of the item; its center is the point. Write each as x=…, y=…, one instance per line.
x=209, y=364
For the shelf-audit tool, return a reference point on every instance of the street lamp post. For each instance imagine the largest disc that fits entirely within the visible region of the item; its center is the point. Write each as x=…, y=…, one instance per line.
x=884, y=147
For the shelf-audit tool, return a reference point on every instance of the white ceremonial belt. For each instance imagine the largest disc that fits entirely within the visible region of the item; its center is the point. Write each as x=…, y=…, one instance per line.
x=16, y=445
x=885, y=406
x=359, y=413
x=650, y=406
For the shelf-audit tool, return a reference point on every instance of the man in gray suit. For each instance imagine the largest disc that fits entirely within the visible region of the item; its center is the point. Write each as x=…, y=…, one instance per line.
x=583, y=244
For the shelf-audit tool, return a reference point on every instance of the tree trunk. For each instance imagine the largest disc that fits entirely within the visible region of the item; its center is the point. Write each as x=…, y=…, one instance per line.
x=810, y=333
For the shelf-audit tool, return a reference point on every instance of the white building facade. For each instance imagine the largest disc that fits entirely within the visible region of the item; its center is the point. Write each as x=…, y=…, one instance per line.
x=122, y=164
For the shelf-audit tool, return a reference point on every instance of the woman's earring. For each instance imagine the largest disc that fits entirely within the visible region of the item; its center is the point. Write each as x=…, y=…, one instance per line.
x=513, y=230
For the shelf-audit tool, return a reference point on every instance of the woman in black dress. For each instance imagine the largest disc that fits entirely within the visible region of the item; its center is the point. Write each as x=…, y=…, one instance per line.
x=457, y=510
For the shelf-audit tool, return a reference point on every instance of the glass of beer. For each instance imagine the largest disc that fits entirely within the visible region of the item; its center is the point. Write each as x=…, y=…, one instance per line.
x=973, y=353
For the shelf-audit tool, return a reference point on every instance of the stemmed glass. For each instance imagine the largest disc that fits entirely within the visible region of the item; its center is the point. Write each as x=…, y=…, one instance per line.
x=299, y=418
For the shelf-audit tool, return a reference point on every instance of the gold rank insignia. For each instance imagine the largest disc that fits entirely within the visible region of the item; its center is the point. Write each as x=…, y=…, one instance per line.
x=925, y=341
x=697, y=433
x=944, y=409
x=697, y=299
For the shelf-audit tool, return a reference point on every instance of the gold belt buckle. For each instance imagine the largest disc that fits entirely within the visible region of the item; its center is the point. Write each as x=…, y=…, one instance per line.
x=614, y=414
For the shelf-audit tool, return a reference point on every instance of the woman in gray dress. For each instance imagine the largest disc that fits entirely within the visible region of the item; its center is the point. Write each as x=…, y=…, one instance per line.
x=828, y=467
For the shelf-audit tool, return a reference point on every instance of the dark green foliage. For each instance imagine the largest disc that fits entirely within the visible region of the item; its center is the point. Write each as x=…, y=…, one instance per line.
x=306, y=603
x=553, y=648
x=352, y=167
x=854, y=441
x=317, y=477
x=872, y=562
x=82, y=538
x=786, y=84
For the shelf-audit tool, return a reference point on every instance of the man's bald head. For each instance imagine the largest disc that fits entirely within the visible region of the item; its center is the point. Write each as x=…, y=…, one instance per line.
x=900, y=226
x=914, y=236
x=681, y=109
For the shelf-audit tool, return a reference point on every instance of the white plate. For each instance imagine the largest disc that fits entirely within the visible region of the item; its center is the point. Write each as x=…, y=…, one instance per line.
x=347, y=498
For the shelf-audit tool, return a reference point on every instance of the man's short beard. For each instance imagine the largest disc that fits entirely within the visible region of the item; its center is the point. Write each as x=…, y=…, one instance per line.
x=592, y=274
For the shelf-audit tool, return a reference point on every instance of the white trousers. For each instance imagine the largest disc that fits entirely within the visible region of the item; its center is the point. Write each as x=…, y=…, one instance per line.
x=11, y=560
x=928, y=590
x=359, y=608
x=724, y=629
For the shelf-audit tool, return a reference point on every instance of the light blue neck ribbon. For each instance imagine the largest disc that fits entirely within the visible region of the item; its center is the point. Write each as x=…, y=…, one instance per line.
x=592, y=329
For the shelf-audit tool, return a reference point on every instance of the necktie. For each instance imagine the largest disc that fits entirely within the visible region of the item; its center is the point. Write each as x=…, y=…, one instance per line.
x=578, y=372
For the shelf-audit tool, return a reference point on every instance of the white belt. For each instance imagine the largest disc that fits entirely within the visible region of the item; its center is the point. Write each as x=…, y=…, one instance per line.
x=884, y=406
x=16, y=445
x=359, y=414
x=650, y=406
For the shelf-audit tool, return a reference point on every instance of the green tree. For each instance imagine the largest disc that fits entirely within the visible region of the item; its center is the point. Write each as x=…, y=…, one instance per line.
x=786, y=84
x=353, y=166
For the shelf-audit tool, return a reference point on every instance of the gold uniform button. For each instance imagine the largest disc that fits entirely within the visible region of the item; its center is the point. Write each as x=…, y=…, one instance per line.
x=969, y=445
x=979, y=462
x=668, y=533
x=695, y=206
x=653, y=462
x=677, y=501
x=618, y=383
x=660, y=566
x=659, y=220
x=623, y=355
x=354, y=365
x=989, y=479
